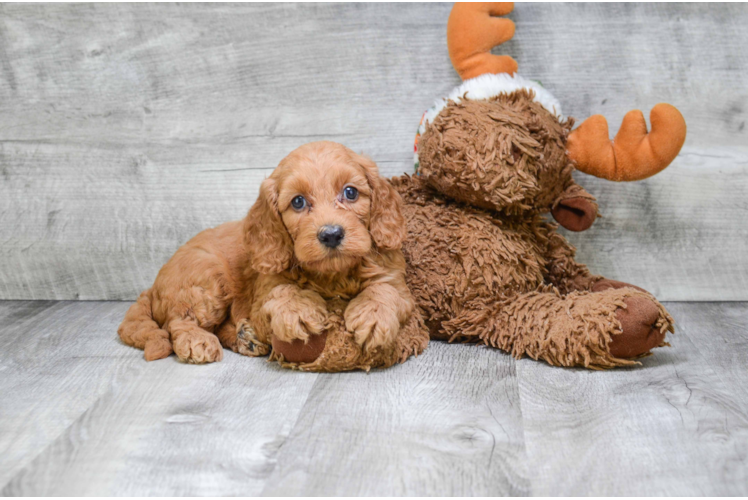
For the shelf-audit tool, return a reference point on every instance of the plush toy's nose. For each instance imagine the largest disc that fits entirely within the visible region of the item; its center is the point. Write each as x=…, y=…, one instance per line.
x=331, y=236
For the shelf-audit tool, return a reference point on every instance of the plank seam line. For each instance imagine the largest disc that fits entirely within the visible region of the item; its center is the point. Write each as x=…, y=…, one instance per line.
x=290, y=432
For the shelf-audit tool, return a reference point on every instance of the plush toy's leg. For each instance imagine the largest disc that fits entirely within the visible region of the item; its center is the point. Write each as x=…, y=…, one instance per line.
x=567, y=275
x=577, y=329
x=562, y=271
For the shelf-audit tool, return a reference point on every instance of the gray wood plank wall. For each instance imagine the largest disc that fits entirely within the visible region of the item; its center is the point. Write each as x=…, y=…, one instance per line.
x=127, y=128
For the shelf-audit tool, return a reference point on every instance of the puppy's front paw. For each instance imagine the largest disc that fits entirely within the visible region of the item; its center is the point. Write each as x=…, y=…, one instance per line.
x=296, y=315
x=247, y=342
x=372, y=323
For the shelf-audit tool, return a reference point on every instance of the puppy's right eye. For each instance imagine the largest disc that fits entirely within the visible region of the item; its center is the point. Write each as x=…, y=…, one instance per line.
x=298, y=203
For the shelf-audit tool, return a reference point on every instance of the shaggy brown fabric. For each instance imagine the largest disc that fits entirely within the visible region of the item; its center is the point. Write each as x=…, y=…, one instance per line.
x=460, y=151
x=483, y=264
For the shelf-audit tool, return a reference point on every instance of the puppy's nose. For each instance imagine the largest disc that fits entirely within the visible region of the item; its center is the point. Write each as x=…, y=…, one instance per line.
x=331, y=236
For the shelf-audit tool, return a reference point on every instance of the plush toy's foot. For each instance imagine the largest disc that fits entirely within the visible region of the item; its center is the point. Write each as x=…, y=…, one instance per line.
x=639, y=322
x=336, y=349
x=606, y=284
x=297, y=351
x=640, y=331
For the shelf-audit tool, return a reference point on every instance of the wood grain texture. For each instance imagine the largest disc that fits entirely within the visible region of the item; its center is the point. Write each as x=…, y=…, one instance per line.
x=58, y=359
x=675, y=426
x=82, y=414
x=128, y=128
x=447, y=424
x=719, y=333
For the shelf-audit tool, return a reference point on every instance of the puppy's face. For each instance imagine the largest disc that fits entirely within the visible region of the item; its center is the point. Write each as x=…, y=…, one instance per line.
x=324, y=199
x=328, y=207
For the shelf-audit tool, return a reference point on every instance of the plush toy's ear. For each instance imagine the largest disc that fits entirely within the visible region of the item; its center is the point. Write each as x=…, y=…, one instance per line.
x=472, y=32
x=387, y=224
x=575, y=209
x=634, y=154
x=269, y=244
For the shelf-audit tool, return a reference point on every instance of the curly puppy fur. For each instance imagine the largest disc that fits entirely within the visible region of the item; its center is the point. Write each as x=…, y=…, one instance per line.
x=484, y=265
x=272, y=280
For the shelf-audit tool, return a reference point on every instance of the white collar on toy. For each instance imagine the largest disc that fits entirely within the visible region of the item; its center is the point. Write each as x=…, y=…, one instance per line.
x=485, y=87
x=489, y=85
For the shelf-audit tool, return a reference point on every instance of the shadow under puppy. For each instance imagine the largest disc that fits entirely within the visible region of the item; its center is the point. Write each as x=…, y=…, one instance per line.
x=315, y=273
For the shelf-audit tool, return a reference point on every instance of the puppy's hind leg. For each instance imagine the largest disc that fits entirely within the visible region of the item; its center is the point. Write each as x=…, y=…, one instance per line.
x=193, y=344
x=241, y=338
x=226, y=334
x=138, y=329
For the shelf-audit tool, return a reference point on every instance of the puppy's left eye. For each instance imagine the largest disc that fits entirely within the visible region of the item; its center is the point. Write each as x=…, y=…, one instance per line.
x=350, y=193
x=298, y=203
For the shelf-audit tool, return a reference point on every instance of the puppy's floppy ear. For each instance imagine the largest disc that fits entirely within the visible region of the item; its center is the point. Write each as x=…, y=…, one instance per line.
x=265, y=236
x=387, y=224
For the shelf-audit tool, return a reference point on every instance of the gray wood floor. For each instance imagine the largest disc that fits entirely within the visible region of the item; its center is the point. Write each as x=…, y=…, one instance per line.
x=81, y=414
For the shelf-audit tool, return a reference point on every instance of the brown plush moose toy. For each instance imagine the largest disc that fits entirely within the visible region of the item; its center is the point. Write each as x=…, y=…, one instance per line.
x=492, y=158
x=483, y=264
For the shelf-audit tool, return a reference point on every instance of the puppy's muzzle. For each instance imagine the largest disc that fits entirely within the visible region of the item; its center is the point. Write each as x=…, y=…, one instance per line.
x=331, y=236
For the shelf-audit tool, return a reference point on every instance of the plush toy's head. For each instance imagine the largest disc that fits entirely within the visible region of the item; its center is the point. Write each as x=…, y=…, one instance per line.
x=500, y=141
x=504, y=153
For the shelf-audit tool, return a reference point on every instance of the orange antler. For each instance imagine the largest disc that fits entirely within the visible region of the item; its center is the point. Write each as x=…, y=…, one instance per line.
x=634, y=154
x=472, y=33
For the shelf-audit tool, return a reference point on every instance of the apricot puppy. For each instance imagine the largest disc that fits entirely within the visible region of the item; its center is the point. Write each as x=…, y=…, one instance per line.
x=325, y=227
